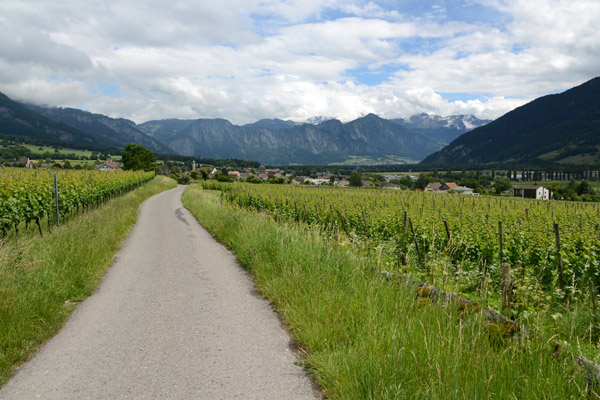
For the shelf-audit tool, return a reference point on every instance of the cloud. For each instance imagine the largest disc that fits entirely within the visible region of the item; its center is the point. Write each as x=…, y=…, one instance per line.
x=37, y=48
x=249, y=59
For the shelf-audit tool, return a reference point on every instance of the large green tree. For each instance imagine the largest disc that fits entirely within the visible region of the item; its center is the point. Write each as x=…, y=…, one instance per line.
x=355, y=179
x=136, y=156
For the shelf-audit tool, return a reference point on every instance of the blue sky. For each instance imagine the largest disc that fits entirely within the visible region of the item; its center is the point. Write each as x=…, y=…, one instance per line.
x=244, y=60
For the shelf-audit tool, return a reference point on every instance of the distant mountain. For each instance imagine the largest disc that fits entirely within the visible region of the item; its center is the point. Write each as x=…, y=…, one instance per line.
x=442, y=129
x=164, y=129
x=18, y=120
x=318, y=120
x=369, y=137
x=273, y=124
x=561, y=127
x=116, y=131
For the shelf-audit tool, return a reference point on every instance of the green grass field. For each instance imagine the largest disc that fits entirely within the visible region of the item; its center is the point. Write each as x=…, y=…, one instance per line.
x=63, y=151
x=362, y=160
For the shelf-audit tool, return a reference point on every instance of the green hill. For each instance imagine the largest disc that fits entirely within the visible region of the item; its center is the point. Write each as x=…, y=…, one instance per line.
x=19, y=121
x=563, y=128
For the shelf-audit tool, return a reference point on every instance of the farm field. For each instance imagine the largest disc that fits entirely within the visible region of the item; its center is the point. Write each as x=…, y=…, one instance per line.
x=49, y=149
x=365, y=336
x=27, y=196
x=459, y=244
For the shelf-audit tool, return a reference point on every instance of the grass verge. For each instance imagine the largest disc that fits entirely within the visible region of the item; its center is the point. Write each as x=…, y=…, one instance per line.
x=367, y=338
x=43, y=278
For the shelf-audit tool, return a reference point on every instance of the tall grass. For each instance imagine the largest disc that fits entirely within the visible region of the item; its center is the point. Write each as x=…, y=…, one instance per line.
x=42, y=278
x=364, y=337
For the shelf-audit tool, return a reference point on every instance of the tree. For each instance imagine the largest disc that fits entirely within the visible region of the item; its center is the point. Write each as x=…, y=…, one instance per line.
x=583, y=188
x=502, y=184
x=424, y=180
x=136, y=157
x=204, y=172
x=355, y=179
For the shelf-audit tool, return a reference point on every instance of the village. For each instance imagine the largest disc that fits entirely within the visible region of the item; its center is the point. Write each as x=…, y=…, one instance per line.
x=470, y=183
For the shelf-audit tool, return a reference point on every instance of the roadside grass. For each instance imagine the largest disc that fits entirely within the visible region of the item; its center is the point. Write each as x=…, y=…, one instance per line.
x=364, y=337
x=43, y=278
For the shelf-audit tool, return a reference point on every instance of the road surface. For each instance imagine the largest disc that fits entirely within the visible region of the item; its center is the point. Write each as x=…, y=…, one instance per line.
x=174, y=318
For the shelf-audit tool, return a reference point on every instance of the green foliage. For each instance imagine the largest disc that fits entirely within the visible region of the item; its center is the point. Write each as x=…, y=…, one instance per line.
x=223, y=178
x=137, y=157
x=423, y=181
x=27, y=196
x=204, y=172
x=355, y=179
x=253, y=179
x=502, y=184
x=471, y=265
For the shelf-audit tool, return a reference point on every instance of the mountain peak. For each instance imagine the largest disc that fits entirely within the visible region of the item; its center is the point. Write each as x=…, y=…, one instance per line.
x=318, y=120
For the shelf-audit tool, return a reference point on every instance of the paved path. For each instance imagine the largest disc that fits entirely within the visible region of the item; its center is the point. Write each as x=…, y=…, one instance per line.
x=174, y=318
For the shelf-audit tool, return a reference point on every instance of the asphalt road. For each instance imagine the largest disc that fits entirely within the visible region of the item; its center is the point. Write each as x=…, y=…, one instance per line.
x=174, y=318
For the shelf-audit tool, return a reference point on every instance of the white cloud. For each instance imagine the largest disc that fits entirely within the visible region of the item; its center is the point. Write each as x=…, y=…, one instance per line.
x=252, y=59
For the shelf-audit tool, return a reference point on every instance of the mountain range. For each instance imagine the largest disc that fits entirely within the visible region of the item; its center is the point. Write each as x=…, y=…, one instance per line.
x=322, y=140
x=557, y=128
x=116, y=132
x=19, y=121
x=369, y=139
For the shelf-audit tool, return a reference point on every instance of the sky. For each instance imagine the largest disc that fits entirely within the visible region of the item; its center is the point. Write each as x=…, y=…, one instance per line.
x=244, y=60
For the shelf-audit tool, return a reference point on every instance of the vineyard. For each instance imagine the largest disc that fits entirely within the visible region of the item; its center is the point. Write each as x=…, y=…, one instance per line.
x=28, y=196
x=460, y=243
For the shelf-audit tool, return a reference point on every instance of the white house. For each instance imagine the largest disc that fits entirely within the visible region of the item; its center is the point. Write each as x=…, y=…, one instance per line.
x=532, y=192
x=463, y=190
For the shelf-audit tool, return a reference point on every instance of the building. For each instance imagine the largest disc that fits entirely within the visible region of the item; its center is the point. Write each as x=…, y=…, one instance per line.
x=448, y=186
x=532, y=192
x=109, y=165
x=433, y=187
x=463, y=190
x=25, y=161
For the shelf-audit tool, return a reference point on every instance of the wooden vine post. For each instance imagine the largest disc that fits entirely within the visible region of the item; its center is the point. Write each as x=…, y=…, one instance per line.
x=501, y=242
x=412, y=229
x=559, y=257
x=450, y=244
x=593, y=296
x=343, y=223
x=506, y=289
x=365, y=223
x=56, y=199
